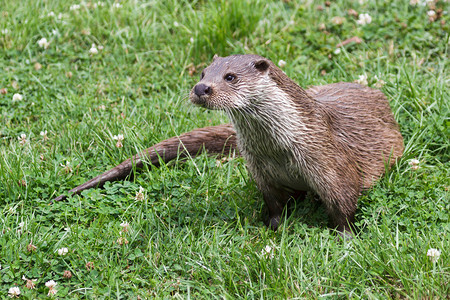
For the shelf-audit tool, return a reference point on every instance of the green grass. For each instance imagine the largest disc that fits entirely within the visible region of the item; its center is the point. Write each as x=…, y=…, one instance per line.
x=199, y=231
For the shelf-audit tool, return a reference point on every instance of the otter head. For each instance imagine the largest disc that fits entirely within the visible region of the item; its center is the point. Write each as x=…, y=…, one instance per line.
x=232, y=82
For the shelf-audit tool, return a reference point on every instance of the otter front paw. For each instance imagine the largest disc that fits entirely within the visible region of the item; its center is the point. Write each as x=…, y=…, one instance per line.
x=273, y=222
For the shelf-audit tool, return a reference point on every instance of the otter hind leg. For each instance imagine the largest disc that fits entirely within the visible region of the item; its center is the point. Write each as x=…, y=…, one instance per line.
x=342, y=218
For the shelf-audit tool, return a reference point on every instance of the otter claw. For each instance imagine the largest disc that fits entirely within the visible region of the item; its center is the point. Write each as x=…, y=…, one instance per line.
x=273, y=222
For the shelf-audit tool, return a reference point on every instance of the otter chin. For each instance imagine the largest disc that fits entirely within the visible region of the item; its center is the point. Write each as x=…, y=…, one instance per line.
x=335, y=140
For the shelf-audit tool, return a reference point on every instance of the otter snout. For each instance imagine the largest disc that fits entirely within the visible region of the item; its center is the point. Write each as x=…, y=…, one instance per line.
x=202, y=89
x=200, y=94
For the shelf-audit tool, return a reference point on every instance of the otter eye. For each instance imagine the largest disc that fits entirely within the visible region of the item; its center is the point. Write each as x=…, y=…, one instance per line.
x=229, y=77
x=202, y=75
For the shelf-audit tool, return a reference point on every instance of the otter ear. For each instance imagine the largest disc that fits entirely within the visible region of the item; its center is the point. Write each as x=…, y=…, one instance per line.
x=215, y=56
x=261, y=65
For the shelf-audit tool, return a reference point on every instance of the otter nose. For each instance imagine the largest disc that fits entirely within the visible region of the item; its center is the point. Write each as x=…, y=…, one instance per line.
x=202, y=89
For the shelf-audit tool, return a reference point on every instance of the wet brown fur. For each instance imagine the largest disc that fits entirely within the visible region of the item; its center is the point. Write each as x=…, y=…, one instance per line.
x=335, y=140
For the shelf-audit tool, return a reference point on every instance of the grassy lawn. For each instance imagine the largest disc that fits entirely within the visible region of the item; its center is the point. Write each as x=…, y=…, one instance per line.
x=75, y=75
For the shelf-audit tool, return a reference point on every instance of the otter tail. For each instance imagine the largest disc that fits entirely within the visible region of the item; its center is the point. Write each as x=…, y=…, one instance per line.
x=216, y=139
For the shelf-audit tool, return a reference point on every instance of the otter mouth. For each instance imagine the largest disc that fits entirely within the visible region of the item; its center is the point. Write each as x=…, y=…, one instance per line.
x=199, y=100
x=202, y=101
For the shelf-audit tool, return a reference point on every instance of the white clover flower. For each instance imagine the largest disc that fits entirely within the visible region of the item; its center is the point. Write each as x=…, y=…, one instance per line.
x=268, y=252
x=431, y=13
x=364, y=19
x=31, y=247
x=30, y=283
x=122, y=240
x=176, y=24
x=93, y=49
x=119, y=139
x=67, y=274
x=281, y=63
x=43, y=43
x=140, y=194
x=125, y=226
x=414, y=163
x=62, y=252
x=17, y=97
x=44, y=135
x=337, y=20
x=413, y=2
x=5, y=31
x=52, y=292
x=67, y=167
x=75, y=7
x=191, y=40
x=22, y=139
x=379, y=82
x=433, y=254
x=362, y=79
x=51, y=284
x=337, y=51
x=14, y=292
x=51, y=14
x=117, y=5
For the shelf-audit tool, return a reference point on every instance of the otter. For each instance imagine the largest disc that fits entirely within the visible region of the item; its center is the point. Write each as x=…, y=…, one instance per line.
x=335, y=140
